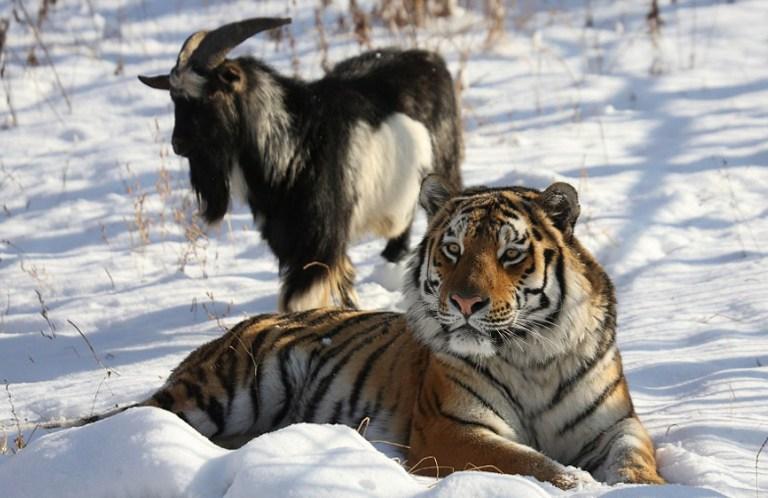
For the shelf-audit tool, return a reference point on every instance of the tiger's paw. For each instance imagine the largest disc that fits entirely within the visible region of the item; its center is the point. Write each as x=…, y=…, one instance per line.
x=639, y=475
x=572, y=477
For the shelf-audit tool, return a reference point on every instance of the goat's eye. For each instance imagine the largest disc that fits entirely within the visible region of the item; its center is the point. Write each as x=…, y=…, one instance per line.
x=452, y=249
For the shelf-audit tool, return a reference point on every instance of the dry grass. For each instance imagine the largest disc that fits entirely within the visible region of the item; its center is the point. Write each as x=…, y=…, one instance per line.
x=44, y=313
x=19, y=442
x=218, y=316
x=757, y=472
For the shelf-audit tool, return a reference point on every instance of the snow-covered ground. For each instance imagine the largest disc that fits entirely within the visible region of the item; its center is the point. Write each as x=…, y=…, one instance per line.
x=97, y=234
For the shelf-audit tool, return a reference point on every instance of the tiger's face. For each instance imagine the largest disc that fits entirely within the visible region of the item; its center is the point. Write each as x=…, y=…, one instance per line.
x=491, y=274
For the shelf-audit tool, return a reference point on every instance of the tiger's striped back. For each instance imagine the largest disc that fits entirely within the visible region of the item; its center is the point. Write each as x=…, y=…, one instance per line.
x=317, y=366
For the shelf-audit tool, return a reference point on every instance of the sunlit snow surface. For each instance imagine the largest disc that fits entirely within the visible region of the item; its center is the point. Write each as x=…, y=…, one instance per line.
x=94, y=230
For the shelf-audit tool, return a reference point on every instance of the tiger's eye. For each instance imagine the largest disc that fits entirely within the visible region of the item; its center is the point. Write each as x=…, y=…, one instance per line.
x=453, y=248
x=511, y=253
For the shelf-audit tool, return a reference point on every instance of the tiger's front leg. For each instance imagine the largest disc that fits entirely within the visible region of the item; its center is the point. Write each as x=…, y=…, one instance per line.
x=441, y=446
x=630, y=455
x=453, y=429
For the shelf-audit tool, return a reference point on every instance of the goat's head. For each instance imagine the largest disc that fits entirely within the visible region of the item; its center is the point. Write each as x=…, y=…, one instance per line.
x=205, y=87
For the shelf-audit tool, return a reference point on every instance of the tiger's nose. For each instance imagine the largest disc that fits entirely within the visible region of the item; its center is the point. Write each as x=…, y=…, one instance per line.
x=468, y=305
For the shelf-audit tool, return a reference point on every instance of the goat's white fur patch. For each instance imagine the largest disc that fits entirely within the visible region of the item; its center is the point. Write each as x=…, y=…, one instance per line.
x=385, y=169
x=187, y=82
x=238, y=187
x=271, y=129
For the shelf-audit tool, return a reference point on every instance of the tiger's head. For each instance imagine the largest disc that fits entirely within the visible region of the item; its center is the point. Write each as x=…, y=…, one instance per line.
x=500, y=273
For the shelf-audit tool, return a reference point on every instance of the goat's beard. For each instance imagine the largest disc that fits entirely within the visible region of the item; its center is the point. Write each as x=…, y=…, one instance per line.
x=209, y=174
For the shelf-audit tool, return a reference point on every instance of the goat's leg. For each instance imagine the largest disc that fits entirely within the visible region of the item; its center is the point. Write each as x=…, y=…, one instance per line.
x=317, y=284
x=305, y=286
x=344, y=283
x=397, y=247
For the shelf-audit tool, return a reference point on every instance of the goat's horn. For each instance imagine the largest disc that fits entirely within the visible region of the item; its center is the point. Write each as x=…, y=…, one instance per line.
x=216, y=45
x=160, y=82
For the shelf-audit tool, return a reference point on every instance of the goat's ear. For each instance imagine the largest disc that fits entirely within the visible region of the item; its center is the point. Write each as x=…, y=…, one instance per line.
x=434, y=194
x=231, y=75
x=159, y=82
x=561, y=202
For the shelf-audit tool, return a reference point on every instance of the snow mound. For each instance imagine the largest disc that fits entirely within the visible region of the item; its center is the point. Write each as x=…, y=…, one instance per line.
x=150, y=452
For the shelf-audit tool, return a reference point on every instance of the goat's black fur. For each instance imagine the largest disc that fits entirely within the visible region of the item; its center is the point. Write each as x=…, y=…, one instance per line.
x=297, y=169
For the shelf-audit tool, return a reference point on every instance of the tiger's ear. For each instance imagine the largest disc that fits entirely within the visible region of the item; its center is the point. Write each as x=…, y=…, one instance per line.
x=561, y=202
x=434, y=194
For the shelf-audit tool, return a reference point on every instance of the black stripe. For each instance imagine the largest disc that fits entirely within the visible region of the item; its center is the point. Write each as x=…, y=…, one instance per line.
x=286, y=382
x=544, y=301
x=415, y=271
x=325, y=383
x=526, y=207
x=253, y=372
x=326, y=353
x=299, y=316
x=184, y=418
x=500, y=387
x=486, y=404
x=466, y=422
x=289, y=384
x=364, y=372
x=200, y=376
x=592, y=406
x=336, y=416
x=163, y=399
x=597, y=459
x=212, y=408
x=194, y=391
x=567, y=385
x=224, y=369
x=216, y=413
x=254, y=355
x=254, y=392
x=509, y=211
x=376, y=405
x=560, y=276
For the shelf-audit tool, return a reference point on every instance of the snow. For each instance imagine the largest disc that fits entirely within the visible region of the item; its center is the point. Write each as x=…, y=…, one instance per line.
x=97, y=234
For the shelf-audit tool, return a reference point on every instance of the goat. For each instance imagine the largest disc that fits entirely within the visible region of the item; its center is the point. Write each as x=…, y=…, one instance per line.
x=319, y=163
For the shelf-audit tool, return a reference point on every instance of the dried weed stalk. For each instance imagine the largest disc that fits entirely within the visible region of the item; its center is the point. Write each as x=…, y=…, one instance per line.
x=322, y=40
x=361, y=24
x=18, y=442
x=14, y=121
x=32, y=59
x=400, y=13
x=44, y=313
x=210, y=310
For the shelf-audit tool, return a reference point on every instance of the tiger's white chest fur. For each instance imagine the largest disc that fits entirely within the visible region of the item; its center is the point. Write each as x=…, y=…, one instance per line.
x=547, y=408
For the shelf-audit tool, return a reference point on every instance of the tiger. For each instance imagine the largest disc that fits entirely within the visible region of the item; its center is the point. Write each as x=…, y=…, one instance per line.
x=504, y=360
